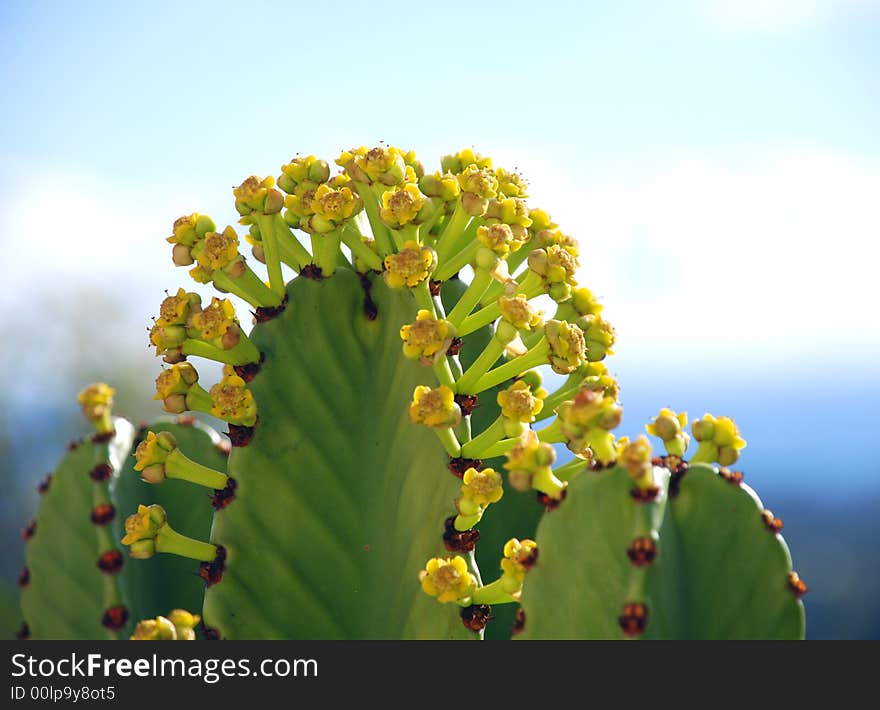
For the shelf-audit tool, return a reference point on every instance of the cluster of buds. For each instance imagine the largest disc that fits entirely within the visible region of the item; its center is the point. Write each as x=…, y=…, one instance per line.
x=586, y=423
x=529, y=466
x=96, y=402
x=147, y=532
x=185, y=328
x=719, y=439
x=178, y=625
x=479, y=488
x=669, y=427
x=158, y=457
x=230, y=400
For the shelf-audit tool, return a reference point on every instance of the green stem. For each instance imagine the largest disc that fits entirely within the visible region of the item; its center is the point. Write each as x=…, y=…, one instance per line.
x=490, y=355
x=371, y=207
x=468, y=235
x=535, y=357
x=353, y=239
x=172, y=542
x=515, y=260
x=492, y=594
x=326, y=250
x=247, y=287
x=198, y=399
x=179, y=466
x=552, y=433
x=500, y=448
x=451, y=231
x=567, y=390
x=266, y=223
x=242, y=353
x=568, y=470
x=450, y=267
x=444, y=373
x=475, y=449
x=470, y=298
x=422, y=293
x=292, y=252
x=450, y=443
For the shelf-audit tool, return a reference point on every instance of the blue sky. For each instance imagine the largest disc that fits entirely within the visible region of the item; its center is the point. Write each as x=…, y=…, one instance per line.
x=718, y=160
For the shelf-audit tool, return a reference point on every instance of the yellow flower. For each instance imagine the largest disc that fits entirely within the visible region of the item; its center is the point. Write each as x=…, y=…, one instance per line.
x=482, y=487
x=384, y=164
x=301, y=170
x=518, y=403
x=719, y=439
x=184, y=624
x=457, y=162
x=301, y=201
x=426, y=336
x=526, y=459
x=410, y=266
x=434, y=407
x=442, y=186
x=154, y=449
x=143, y=525
x=567, y=346
x=257, y=195
x=599, y=335
x=232, y=401
x=176, y=380
x=519, y=557
x=448, y=579
x=512, y=211
x=669, y=428
x=478, y=181
x=584, y=302
x=402, y=205
x=190, y=228
x=334, y=205
x=158, y=629
x=175, y=310
x=214, y=321
x=511, y=184
x=217, y=250
x=517, y=311
x=96, y=401
x=499, y=238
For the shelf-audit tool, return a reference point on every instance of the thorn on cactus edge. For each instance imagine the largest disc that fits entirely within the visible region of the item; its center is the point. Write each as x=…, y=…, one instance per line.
x=734, y=477
x=476, y=616
x=110, y=562
x=648, y=495
x=551, y=503
x=29, y=531
x=264, y=314
x=642, y=551
x=212, y=572
x=115, y=618
x=797, y=586
x=24, y=577
x=24, y=632
x=466, y=402
x=312, y=272
x=240, y=435
x=459, y=465
x=435, y=287
x=103, y=513
x=454, y=347
x=101, y=472
x=519, y=621
x=103, y=437
x=224, y=448
x=772, y=523
x=634, y=619
x=371, y=310
x=224, y=497
x=459, y=541
x=43, y=486
x=73, y=445
x=209, y=633
x=251, y=370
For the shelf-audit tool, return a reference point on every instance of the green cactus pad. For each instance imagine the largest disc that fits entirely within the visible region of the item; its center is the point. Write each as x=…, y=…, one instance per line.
x=719, y=572
x=341, y=499
x=67, y=594
x=164, y=582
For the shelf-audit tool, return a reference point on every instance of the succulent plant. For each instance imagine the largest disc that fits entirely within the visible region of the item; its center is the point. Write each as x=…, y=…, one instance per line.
x=386, y=412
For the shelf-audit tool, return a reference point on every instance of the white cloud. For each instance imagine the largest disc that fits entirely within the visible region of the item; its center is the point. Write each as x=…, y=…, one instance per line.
x=774, y=15
x=775, y=255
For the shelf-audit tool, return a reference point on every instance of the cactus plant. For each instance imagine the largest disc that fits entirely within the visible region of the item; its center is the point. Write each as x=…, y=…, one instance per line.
x=387, y=411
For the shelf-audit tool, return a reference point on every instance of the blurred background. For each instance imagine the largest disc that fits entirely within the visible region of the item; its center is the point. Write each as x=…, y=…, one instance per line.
x=719, y=161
